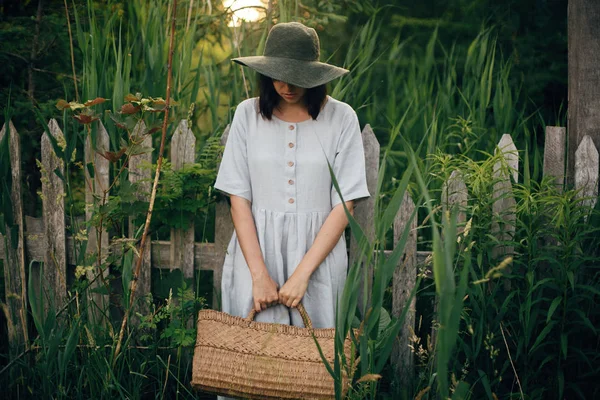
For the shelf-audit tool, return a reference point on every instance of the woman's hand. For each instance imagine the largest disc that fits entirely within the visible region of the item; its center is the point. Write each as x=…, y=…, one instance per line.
x=264, y=291
x=294, y=289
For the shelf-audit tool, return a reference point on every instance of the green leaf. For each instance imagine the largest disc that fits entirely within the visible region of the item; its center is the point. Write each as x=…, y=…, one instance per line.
x=571, y=279
x=392, y=209
x=462, y=391
x=486, y=384
x=324, y=359
x=384, y=319
x=555, y=303
x=589, y=289
x=35, y=302
x=127, y=274
x=542, y=336
x=71, y=345
x=100, y=290
x=58, y=173
x=586, y=320
x=563, y=344
x=90, y=169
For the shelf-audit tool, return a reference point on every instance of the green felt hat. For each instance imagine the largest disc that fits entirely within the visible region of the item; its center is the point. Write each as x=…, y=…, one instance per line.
x=292, y=55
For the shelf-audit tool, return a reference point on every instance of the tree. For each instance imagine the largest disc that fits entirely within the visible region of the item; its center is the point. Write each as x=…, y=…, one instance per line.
x=584, y=79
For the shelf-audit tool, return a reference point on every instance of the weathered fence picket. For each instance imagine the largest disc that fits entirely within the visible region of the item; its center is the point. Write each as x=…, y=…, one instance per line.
x=140, y=173
x=223, y=232
x=183, y=152
x=554, y=154
x=404, y=280
x=364, y=210
x=53, y=206
x=15, y=308
x=586, y=171
x=455, y=197
x=97, y=184
x=454, y=200
x=504, y=206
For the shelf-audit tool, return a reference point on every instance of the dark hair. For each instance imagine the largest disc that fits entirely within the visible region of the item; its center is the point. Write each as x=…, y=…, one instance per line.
x=269, y=99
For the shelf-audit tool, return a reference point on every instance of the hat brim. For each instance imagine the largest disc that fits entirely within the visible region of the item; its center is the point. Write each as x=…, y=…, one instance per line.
x=304, y=74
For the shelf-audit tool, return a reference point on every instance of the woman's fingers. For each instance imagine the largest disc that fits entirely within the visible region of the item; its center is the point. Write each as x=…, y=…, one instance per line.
x=266, y=302
x=289, y=301
x=265, y=293
x=293, y=290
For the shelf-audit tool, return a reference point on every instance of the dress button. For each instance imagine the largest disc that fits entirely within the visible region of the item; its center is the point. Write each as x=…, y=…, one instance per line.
x=291, y=145
x=290, y=163
x=291, y=201
x=291, y=181
x=291, y=127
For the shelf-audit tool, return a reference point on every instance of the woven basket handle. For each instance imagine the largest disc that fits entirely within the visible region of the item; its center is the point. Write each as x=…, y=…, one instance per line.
x=301, y=310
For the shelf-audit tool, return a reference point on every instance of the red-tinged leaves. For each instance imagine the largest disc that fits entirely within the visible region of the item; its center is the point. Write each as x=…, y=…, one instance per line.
x=97, y=100
x=118, y=124
x=152, y=130
x=131, y=97
x=112, y=156
x=85, y=118
x=130, y=109
x=62, y=104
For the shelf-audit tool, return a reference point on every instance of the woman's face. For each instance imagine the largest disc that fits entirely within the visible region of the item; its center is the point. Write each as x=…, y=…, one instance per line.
x=289, y=93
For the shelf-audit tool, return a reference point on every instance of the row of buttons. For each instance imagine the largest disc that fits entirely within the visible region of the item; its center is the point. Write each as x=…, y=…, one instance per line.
x=291, y=164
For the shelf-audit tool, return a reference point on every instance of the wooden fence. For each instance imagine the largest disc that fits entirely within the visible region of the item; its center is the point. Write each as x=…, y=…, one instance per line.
x=44, y=239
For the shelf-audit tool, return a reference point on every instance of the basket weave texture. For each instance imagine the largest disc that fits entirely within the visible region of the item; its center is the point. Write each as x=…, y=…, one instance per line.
x=239, y=357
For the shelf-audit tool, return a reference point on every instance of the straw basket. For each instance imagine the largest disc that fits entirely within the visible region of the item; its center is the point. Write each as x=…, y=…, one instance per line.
x=239, y=357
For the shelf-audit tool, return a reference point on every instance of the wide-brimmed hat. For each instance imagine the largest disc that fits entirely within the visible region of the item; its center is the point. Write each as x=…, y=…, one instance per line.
x=292, y=55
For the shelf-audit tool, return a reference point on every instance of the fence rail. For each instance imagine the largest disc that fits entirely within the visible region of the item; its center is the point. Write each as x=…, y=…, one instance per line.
x=44, y=239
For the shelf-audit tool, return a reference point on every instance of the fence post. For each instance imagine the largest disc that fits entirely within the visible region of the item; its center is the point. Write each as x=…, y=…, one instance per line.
x=455, y=196
x=364, y=210
x=504, y=206
x=53, y=206
x=183, y=151
x=554, y=154
x=94, y=188
x=454, y=199
x=586, y=171
x=142, y=175
x=15, y=308
x=223, y=232
x=405, y=276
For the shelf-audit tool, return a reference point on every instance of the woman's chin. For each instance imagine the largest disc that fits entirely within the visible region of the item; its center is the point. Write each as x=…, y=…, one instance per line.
x=290, y=99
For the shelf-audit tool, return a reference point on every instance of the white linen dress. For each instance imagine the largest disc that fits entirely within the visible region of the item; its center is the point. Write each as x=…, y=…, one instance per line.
x=282, y=169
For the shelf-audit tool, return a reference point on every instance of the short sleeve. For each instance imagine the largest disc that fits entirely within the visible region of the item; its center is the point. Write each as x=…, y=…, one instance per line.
x=234, y=177
x=349, y=163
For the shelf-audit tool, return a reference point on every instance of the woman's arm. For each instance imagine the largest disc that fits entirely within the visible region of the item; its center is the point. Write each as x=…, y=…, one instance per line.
x=264, y=289
x=293, y=290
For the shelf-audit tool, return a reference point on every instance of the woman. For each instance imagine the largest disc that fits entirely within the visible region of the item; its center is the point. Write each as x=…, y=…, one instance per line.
x=288, y=244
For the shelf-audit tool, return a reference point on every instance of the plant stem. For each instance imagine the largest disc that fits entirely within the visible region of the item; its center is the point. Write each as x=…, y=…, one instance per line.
x=34, y=51
x=154, y=186
x=72, y=55
x=512, y=364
